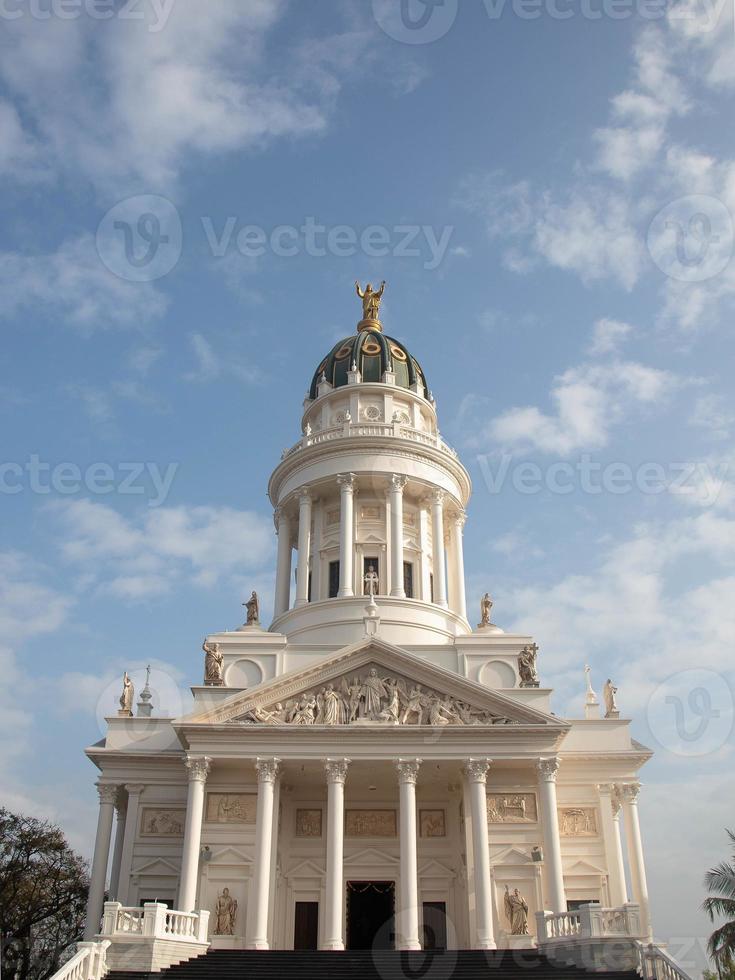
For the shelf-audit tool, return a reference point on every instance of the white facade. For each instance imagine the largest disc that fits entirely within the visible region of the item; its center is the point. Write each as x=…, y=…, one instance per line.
x=291, y=797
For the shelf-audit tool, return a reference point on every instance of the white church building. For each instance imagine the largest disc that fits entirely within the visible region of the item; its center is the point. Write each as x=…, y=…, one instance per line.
x=371, y=768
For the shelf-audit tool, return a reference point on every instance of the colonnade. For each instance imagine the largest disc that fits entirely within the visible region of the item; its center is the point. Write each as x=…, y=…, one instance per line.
x=446, y=523
x=614, y=799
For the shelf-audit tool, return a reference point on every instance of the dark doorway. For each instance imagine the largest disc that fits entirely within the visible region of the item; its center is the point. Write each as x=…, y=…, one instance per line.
x=333, y=579
x=370, y=914
x=408, y=579
x=435, y=925
x=306, y=925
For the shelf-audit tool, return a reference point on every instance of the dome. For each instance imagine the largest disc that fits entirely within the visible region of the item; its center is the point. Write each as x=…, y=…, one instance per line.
x=374, y=353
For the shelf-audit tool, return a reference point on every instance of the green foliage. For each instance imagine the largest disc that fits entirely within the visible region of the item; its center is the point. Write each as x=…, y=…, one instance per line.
x=720, y=883
x=43, y=895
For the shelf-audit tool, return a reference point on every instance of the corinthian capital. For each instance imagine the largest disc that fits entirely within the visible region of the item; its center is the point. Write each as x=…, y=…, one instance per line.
x=198, y=767
x=336, y=770
x=548, y=768
x=346, y=482
x=398, y=482
x=107, y=792
x=267, y=770
x=476, y=770
x=408, y=770
x=437, y=496
x=628, y=792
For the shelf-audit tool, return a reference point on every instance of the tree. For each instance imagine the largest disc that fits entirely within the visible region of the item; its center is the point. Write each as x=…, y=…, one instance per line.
x=720, y=883
x=43, y=896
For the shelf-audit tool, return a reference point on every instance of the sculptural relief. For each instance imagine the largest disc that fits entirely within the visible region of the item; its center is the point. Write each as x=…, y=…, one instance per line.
x=370, y=823
x=373, y=698
x=432, y=823
x=225, y=913
x=231, y=807
x=512, y=808
x=578, y=821
x=308, y=823
x=162, y=823
x=516, y=912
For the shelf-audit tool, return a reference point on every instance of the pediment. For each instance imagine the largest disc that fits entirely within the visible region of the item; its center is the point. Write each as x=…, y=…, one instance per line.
x=584, y=868
x=306, y=869
x=512, y=856
x=371, y=857
x=435, y=869
x=373, y=684
x=229, y=855
x=159, y=868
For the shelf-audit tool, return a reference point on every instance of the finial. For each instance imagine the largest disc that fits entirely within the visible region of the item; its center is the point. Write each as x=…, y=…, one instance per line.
x=145, y=708
x=370, y=306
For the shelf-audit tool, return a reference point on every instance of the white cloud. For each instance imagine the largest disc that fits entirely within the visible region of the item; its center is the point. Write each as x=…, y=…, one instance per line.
x=146, y=556
x=608, y=336
x=211, y=365
x=73, y=282
x=589, y=400
x=713, y=414
x=202, y=84
x=27, y=606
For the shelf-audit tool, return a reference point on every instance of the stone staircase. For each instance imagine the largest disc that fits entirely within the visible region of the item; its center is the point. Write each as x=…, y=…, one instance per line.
x=372, y=965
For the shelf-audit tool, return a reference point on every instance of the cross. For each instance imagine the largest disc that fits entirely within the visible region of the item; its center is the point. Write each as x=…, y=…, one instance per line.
x=533, y=647
x=147, y=675
x=371, y=581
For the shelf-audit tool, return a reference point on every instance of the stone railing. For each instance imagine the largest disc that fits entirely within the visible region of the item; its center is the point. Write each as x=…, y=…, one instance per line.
x=589, y=922
x=655, y=964
x=88, y=963
x=350, y=430
x=153, y=921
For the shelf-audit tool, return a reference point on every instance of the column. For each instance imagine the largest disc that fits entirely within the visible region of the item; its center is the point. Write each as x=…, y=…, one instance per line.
x=317, y=591
x=198, y=769
x=388, y=571
x=257, y=938
x=121, y=809
x=302, y=573
x=131, y=825
x=336, y=770
x=108, y=796
x=408, y=928
x=460, y=598
x=547, y=770
x=475, y=771
x=397, y=484
x=346, y=483
x=283, y=568
x=618, y=855
x=611, y=839
x=425, y=569
x=437, y=533
x=629, y=797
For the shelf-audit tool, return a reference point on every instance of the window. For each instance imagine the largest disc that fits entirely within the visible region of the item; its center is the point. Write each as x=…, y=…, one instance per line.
x=408, y=579
x=431, y=587
x=333, y=579
x=370, y=565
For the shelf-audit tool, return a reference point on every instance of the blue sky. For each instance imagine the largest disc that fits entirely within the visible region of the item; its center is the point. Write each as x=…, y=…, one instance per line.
x=550, y=199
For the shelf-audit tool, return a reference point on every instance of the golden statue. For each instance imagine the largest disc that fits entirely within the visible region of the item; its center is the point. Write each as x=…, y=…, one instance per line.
x=370, y=301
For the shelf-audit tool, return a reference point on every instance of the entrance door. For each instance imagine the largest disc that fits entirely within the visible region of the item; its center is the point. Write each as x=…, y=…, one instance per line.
x=370, y=914
x=306, y=925
x=435, y=925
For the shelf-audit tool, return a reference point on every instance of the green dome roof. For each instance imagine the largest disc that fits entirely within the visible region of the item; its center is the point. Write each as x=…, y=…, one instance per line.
x=374, y=353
